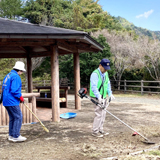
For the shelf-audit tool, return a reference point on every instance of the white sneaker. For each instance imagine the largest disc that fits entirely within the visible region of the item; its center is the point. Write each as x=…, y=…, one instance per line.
x=10, y=138
x=97, y=135
x=19, y=139
x=104, y=133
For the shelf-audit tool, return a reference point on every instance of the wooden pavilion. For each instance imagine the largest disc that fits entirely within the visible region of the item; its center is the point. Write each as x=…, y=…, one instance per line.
x=26, y=40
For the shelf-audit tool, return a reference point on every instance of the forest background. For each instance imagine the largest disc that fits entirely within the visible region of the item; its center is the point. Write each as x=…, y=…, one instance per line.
x=134, y=52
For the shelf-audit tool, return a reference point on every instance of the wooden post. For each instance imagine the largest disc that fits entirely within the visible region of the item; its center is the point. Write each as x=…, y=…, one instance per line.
x=34, y=108
x=24, y=113
x=23, y=109
x=3, y=116
x=119, y=85
x=66, y=93
x=29, y=74
x=30, y=114
x=125, y=86
x=141, y=87
x=77, y=80
x=55, y=84
x=7, y=117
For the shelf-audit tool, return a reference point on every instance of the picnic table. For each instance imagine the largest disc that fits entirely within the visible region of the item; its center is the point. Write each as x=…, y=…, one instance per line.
x=45, y=96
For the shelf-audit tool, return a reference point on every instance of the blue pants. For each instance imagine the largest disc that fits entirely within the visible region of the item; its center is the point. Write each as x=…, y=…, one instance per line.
x=15, y=120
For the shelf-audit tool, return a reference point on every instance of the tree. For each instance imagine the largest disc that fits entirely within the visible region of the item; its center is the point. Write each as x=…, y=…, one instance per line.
x=121, y=44
x=148, y=54
x=48, y=12
x=85, y=15
x=10, y=8
x=88, y=15
x=6, y=66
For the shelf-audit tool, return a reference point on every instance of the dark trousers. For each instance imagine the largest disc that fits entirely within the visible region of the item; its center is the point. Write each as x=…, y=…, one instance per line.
x=15, y=120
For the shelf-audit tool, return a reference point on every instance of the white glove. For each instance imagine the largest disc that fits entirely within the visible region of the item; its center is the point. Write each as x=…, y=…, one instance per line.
x=106, y=104
x=100, y=100
x=111, y=97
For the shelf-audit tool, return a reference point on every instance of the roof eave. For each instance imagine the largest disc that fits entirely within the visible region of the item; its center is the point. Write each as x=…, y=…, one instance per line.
x=53, y=36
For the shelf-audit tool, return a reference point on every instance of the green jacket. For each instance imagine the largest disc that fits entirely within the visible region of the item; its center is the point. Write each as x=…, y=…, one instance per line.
x=104, y=88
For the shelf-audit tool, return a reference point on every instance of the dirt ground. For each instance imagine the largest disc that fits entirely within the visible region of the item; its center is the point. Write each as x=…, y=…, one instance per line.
x=71, y=139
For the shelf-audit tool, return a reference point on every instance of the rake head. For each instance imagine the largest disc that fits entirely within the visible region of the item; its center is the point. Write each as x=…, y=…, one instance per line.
x=135, y=133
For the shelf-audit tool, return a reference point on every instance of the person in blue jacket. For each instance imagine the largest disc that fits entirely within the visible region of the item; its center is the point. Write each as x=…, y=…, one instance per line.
x=100, y=87
x=11, y=99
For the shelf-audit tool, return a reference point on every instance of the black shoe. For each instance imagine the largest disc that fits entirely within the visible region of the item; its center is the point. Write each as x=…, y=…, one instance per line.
x=104, y=133
x=97, y=135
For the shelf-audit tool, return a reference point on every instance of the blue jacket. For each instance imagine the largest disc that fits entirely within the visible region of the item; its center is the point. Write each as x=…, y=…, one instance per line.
x=12, y=89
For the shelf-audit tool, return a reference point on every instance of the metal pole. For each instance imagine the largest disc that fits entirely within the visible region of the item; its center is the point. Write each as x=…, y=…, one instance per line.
x=116, y=117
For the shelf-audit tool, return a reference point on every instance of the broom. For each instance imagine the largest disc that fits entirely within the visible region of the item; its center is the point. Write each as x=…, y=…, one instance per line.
x=37, y=118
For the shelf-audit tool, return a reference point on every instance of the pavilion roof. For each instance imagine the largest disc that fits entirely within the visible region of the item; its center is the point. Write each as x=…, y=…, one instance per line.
x=19, y=37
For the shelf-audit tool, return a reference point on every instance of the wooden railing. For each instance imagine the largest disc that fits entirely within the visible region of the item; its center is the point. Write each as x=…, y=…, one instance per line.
x=27, y=116
x=42, y=83
x=140, y=86
x=136, y=86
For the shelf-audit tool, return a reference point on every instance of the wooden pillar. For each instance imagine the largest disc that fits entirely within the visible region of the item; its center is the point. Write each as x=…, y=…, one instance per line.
x=77, y=80
x=33, y=108
x=29, y=74
x=55, y=84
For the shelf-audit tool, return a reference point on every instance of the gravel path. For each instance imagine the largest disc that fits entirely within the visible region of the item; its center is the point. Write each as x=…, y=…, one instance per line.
x=138, y=100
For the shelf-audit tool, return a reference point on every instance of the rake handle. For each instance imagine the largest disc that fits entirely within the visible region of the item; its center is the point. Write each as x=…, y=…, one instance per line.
x=33, y=114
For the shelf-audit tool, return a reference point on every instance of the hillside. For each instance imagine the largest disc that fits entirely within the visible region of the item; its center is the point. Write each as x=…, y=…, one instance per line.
x=138, y=30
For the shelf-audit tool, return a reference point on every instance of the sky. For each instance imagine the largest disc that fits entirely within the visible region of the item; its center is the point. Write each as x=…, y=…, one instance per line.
x=142, y=13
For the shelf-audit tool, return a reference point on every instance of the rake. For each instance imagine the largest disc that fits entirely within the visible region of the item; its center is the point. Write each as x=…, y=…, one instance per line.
x=37, y=118
x=82, y=93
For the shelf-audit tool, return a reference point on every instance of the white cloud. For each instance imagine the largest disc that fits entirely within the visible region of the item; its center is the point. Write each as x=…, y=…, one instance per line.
x=145, y=14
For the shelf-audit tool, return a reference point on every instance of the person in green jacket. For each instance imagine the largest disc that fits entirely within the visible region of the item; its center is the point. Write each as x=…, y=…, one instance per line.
x=99, y=88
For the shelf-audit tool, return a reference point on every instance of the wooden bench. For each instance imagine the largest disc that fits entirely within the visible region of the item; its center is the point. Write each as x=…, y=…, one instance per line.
x=42, y=100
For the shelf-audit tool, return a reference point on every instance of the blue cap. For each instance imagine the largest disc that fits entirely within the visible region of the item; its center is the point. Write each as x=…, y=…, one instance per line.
x=105, y=63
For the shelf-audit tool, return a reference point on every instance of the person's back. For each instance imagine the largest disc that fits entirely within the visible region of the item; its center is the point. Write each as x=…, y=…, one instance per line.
x=11, y=89
x=11, y=99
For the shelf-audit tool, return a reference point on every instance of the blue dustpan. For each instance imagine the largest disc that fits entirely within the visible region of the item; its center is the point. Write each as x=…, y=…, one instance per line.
x=68, y=115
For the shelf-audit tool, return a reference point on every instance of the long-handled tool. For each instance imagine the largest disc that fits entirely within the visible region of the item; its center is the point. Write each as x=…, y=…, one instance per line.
x=37, y=118
x=82, y=93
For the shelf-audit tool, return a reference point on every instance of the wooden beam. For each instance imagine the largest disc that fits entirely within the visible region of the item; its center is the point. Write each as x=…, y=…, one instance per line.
x=32, y=54
x=3, y=39
x=13, y=55
x=87, y=48
x=63, y=52
x=23, y=49
x=55, y=84
x=30, y=95
x=23, y=43
x=40, y=54
x=77, y=80
x=66, y=46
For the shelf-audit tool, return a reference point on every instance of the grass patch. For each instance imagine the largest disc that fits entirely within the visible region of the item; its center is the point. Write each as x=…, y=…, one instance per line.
x=154, y=152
